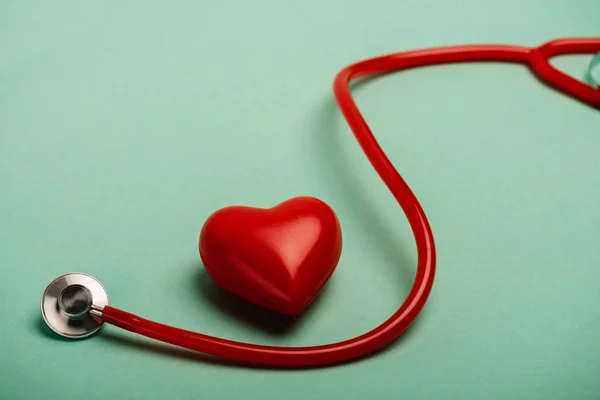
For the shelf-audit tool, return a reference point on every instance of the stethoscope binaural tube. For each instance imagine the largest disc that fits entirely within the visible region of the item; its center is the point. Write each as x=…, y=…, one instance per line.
x=536, y=58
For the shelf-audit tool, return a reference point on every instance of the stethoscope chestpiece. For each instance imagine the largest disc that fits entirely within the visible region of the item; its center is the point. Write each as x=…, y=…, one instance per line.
x=68, y=305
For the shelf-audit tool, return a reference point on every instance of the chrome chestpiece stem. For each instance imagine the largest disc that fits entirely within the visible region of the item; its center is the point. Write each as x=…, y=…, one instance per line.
x=72, y=305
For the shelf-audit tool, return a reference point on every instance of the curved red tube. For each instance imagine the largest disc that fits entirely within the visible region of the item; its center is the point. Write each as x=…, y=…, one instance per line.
x=380, y=336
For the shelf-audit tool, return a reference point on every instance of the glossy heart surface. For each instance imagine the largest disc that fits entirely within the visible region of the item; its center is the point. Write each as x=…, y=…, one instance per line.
x=279, y=258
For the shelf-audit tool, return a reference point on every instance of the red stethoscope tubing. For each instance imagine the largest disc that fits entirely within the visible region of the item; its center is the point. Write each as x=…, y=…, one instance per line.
x=536, y=58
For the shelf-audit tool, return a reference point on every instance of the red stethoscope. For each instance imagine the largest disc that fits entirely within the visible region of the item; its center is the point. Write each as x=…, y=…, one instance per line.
x=76, y=305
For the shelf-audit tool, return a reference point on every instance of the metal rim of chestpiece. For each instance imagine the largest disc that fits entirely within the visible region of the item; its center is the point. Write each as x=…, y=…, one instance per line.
x=67, y=302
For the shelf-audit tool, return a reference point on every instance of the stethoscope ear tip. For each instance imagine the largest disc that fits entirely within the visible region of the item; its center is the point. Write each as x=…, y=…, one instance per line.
x=593, y=74
x=68, y=302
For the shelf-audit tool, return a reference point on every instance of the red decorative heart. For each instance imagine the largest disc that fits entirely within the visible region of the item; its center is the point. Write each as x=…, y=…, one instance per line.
x=279, y=258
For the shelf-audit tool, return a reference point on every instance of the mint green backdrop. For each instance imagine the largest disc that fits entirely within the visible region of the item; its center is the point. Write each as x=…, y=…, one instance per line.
x=123, y=125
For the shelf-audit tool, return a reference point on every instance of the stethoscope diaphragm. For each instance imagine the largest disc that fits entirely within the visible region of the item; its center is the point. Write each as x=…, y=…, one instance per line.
x=68, y=303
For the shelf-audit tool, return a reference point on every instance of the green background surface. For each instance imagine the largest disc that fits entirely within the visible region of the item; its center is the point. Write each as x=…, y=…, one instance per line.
x=123, y=125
